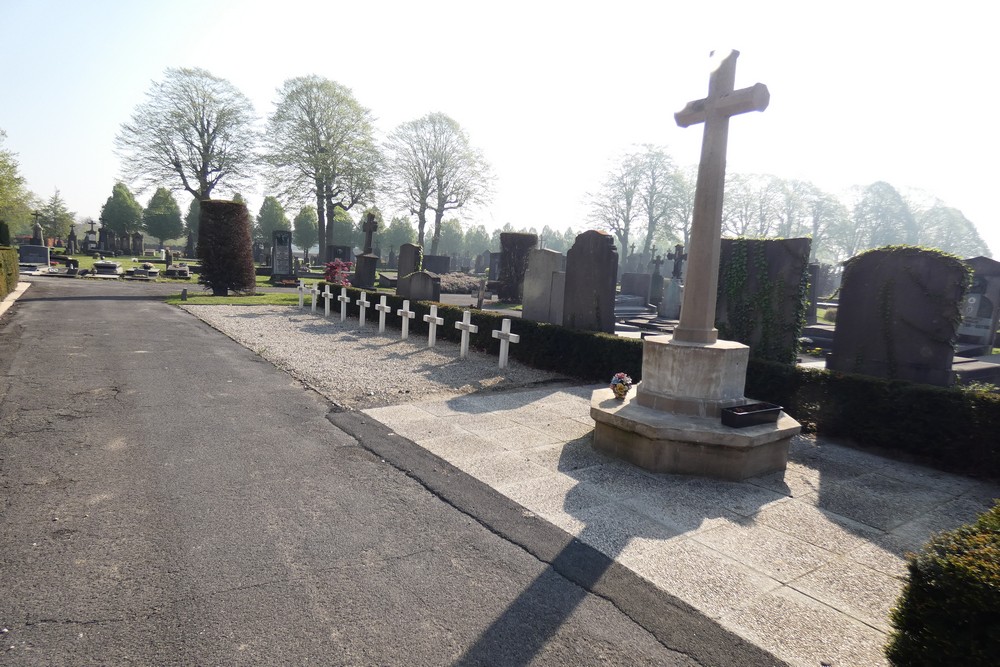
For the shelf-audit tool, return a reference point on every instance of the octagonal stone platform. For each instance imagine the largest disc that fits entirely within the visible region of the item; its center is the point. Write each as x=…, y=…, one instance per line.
x=687, y=444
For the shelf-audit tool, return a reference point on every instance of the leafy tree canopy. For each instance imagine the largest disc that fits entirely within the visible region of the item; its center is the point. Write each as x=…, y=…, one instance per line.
x=55, y=218
x=270, y=219
x=121, y=213
x=162, y=217
x=15, y=199
x=305, y=234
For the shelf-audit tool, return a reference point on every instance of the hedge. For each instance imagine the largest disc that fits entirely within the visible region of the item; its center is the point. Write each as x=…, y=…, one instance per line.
x=9, y=271
x=951, y=429
x=949, y=610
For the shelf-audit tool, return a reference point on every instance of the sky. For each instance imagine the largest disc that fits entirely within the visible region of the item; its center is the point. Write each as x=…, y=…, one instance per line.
x=552, y=92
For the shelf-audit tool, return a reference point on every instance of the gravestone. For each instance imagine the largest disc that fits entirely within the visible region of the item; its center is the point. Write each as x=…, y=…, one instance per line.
x=655, y=282
x=281, y=255
x=980, y=308
x=72, y=247
x=591, y=272
x=138, y=247
x=342, y=252
x=391, y=263
x=761, y=296
x=678, y=256
x=366, y=263
x=812, y=310
x=514, y=248
x=673, y=297
x=495, y=265
x=424, y=286
x=637, y=284
x=409, y=263
x=482, y=262
x=538, y=285
x=898, y=315
x=258, y=252
x=34, y=255
x=439, y=264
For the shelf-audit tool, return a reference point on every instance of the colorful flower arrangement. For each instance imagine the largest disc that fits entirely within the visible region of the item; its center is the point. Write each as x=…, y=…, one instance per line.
x=620, y=384
x=338, y=272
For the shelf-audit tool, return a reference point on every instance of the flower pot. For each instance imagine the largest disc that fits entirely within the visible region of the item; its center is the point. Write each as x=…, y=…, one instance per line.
x=751, y=414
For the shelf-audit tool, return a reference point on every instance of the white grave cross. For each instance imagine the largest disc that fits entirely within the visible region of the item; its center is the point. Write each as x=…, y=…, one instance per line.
x=407, y=315
x=327, y=298
x=363, y=304
x=302, y=293
x=697, y=323
x=382, y=311
x=433, y=322
x=314, y=290
x=344, y=300
x=506, y=338
x=467, y=327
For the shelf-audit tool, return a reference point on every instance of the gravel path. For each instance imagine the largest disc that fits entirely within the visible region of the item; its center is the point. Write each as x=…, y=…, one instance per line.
x=361, y=368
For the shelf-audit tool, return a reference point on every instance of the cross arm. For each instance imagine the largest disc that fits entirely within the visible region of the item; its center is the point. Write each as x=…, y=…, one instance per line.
x=754, y=98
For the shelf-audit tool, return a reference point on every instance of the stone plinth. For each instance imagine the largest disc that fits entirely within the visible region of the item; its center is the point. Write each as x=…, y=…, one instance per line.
x=692, y=378
x=685, y=444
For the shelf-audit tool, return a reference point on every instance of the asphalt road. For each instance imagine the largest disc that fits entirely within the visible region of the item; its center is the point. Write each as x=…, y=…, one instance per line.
x=169, y=498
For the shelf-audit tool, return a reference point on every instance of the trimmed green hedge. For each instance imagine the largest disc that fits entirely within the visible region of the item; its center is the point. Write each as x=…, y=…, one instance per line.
x=9, y=271
x=949, y=611
x=950, y=429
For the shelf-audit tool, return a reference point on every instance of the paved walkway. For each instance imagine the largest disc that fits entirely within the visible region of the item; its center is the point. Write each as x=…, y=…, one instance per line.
x=806, y=563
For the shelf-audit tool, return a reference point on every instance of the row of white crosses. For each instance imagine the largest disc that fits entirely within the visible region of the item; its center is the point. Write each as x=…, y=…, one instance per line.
x=433, y=321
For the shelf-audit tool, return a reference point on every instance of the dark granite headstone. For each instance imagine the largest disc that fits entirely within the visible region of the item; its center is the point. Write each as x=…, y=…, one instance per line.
x=424, y=286
x=538, y=285
x=281, y=255
x=898, y=315
x=138, y=248
x=365, y=267
x=761, y=295
x=591, y=272
x=439, y=264
x=72, y=246
x=110, y=242
x=637, y=284
x=409, y=259
x=392, y=259
x=980, y=308
x=495, y=265
x=514, y=249
x=342, y=252
x=482, y=262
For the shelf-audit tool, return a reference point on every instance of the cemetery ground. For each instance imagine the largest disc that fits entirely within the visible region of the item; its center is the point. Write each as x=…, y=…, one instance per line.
x=168, y=498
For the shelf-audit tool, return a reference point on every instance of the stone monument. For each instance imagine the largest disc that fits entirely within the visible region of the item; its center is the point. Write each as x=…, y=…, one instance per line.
x=672, y=423
x=281, y=255
x=367, y=262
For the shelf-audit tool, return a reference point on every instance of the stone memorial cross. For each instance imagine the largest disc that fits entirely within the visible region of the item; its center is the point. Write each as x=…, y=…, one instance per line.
x=657, y=263
x=433, y=322
x=678, y=255
x=363, y=304
x=407, y=315
x=302, y=293
x=697, y=324
x=466, y=327
x=327, y=298
x=314, y=290
x=344, y=300
x=506, y=338
x=382, y=311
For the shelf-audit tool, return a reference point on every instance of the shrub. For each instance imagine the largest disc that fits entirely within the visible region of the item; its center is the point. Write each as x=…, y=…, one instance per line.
x=458, y=283
x=9, y=271
x=225, y=248
x=949, y=611
x=4, y=233
x=338, y=273
x=830, y=315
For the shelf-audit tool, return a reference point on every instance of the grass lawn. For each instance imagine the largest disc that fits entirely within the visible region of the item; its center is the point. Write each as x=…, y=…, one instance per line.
x=267, y=299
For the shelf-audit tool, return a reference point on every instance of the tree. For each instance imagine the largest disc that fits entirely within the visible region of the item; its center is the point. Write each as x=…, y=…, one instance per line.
x=450, y=237
x=435, y=168
x=224, y=248
x=359, y=232
x=656, y=189
x=617, y=205
x=476, y=240
x=121, y=213
x=304, y=231
x=191, y=224
x=399, y=231
x=271, y=219
x=15, y=199
x=194, y=128
x=947, y=229
x=341, y=229
x=881, y=217
x=750, y=205
x=320, y=141
x=55, y=219
x=162, y=217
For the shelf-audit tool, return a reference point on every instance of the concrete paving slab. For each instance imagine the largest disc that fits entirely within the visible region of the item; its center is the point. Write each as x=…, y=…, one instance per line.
x=454, y=449
x=776, y=554
x=553, y=495
x=741, y=498
x=567, y=457
x=688, y=514
x=613, y=528
x=805, y=631
x=879, y=501
x=816, y=526
x=859, y=591
x=515, y=437
x=497, y=469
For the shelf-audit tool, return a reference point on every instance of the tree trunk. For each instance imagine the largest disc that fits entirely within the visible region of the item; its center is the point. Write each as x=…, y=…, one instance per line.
x=321, y=220
x=437, y=231
x=421, y=224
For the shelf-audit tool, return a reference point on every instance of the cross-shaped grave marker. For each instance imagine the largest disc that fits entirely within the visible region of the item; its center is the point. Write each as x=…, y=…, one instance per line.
x=697, y=323
x=433, y=322
x=363, y=304
x=466, y=327
x=301, y=289
x=344, y=300
x=407, y=315
x=506, y=338
x=678, y=255
x=382, y=311
x=314, y=290
x=657, y=263
x=327, y=298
